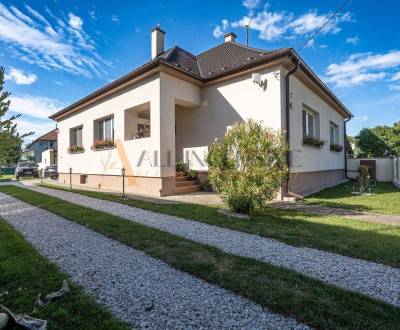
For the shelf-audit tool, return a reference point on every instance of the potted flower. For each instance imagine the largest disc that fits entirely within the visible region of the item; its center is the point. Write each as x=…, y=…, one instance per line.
x=336, y=147
x=75, y=149
x=312, y=141
x=103, y=144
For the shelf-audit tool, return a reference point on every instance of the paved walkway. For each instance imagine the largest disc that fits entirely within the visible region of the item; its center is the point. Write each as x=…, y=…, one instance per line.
x=368, y=278
x=137, y=288
x=393, y=220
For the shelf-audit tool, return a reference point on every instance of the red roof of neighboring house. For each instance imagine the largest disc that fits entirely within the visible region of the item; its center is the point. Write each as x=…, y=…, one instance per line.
x=49, y=136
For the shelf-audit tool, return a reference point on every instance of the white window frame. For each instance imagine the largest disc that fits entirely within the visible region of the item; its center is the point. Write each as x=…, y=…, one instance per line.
x=74, y=139
x=309, y=114
x=101, y=128
x=335, y=128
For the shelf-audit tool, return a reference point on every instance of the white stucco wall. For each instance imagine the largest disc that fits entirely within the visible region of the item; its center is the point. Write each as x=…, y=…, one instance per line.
x=226, y=103
x=384, y=168
x=307, y=159
x=144, y=157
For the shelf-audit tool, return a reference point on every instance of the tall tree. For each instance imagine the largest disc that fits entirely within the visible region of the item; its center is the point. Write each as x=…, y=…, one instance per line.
x=10, y=140
x=379, y=141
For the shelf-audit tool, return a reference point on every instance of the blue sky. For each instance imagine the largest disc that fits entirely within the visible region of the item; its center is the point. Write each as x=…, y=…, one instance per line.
x=56, y=52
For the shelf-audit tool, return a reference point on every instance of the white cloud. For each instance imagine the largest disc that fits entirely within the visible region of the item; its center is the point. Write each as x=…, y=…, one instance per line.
x=353, y=40
x=396, y=76
x=270, y=25
x=60, y=46
x=75, y=21
x=279, y=24
x=394, y=87
x=35, y=106
x=361, y=118
x=19, y=77
x=311, y=21
x=39, y=128
x=115, y=19
x=220, y=30
x=93, y=15
x=251, y=4
x=323, y=46
x=362, y=67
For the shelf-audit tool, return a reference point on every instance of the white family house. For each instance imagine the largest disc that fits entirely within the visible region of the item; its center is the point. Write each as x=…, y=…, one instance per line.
x=174, y=106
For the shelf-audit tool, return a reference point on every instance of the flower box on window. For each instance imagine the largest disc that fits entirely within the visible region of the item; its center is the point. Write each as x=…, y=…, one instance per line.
x=312, y=141
x=76, y=149
x=103, y=144
x=336, y=147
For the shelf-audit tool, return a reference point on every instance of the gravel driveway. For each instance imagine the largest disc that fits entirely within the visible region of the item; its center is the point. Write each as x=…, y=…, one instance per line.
x=135, y=287
x=368, y=278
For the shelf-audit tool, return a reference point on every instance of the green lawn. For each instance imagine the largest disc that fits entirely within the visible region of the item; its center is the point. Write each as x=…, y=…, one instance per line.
x=369, y=241
x=385, y=198
x=287, y=292
x=6, y=177
x=25, y=274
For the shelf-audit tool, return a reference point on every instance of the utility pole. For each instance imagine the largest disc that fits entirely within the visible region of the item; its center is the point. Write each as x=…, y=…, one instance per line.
x=247, y=34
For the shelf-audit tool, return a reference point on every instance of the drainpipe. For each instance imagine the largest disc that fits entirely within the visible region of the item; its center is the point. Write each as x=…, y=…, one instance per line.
x=287, y=114
x=344, y=143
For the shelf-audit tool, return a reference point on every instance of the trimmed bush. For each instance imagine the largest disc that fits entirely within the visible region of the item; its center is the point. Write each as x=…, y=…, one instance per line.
x=247, y=166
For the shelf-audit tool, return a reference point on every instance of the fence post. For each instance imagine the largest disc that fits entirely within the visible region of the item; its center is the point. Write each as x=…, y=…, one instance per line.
x=123, y=182
x=41, y=176
x=70, y=178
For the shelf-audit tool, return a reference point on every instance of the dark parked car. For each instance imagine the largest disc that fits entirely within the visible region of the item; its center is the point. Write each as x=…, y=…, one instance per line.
x=26, y=169
x=51, y=171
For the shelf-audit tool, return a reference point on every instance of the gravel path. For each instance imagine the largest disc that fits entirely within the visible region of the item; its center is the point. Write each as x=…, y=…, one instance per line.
x=137, y=288
x=368, y=278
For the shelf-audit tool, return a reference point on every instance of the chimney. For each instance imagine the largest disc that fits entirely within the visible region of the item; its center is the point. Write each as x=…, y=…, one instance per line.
x=230, y=37
x=157, y=41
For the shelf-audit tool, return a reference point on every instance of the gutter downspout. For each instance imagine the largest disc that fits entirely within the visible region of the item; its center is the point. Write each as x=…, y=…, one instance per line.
x=345, y=151
x=287, y=115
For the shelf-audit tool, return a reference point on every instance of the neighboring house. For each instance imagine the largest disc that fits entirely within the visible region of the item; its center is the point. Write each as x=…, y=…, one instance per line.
x=49, y=157
x=174, y=106
x=46, y=141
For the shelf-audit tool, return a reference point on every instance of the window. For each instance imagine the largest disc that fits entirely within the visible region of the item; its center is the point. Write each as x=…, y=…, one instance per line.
x=76, y=136
x=308, y=124
x=104, y=129
x=334, y=133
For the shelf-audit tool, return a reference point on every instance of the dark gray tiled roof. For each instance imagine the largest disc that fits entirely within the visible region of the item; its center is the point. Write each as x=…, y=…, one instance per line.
x=216, y=61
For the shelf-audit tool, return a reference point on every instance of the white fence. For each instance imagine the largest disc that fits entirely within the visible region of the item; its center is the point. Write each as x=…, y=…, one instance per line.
x=396, y=171
x=384, y=168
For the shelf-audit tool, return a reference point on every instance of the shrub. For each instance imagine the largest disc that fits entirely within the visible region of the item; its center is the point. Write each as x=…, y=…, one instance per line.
x=362, y=180
x=247, y=166
x=180, y=166
x=192, y=174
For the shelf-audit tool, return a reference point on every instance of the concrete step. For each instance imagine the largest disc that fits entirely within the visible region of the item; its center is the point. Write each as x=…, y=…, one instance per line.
x=182, y=178
x=187, y=190
x=186, y=183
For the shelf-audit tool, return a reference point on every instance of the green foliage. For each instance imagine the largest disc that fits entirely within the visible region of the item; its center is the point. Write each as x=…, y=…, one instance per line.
x=180, y=166
x=312, y=141
x=362, y=180
x=192, y=174
x=10, y=139
x=379, y=141
x=247, y=166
